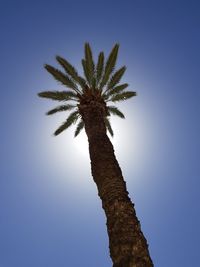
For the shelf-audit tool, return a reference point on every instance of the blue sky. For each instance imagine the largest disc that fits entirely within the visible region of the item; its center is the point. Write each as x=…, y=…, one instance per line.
x=50, y=212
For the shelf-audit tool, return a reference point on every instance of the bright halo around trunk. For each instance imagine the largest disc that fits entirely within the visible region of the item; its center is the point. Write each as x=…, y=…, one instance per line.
x=81, y=144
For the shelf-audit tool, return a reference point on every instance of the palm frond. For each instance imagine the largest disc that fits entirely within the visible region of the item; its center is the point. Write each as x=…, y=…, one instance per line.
x=110, y=64
x=100, y=66
x=89, y=62
x=86, y=71
x=115, y=79
x=115, y=111
x=71, y=71
x=60, y=108
x=108, y=126
x=70, y=120
x=68, y=68
x=94, y=83
x=122, y=96
x=61, y=77
x=59, y=95
x=118, y=89
x=82, y=82
x=79, y=127
x=115, y=90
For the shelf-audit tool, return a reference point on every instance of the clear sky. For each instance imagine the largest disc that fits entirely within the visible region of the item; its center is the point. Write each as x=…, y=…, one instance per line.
x=50, y=214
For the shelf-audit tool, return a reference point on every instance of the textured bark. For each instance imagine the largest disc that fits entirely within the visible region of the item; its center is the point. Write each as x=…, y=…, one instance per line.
x=128, y=246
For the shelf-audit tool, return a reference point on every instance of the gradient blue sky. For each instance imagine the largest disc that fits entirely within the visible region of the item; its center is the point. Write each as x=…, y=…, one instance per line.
x=50, y=215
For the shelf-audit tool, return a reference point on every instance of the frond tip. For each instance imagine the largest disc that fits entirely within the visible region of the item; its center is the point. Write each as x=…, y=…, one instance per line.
x=60, y=108
x=59, y=95
x=123, y=96
x=115, y=111
x=108, y=127
x=79, y=127
x=69, y=121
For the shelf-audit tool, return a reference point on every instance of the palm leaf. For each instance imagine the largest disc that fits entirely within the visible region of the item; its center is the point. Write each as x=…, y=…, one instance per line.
x=116, y=78
x=79, y=128
x=70, y=120
x=86, y=70
x=89, y=62
x=60, y=108
x=68, y=68
x=82, y=82
x=61, y=77
x=115, y=111
x=59, y=95
x=94, y=83
x=71, y=71
x=118, y=89
x=115, y=90
x=108, y=126
x=122, y=96
x=100, y=65
x=110, y=64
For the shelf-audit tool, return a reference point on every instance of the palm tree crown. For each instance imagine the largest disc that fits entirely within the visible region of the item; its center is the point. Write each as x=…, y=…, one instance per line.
x=101, y=83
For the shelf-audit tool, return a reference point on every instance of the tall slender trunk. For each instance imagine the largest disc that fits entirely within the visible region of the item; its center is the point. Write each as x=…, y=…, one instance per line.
x=128, y=246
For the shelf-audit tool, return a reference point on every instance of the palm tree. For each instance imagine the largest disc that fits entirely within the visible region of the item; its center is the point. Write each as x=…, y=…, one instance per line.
x=88, y=100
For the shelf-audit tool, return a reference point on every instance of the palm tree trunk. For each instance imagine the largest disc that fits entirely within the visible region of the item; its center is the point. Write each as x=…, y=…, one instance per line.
x=128, y=246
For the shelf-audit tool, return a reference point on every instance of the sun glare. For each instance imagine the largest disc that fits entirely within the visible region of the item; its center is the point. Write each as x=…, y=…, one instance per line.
x=81, y=144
